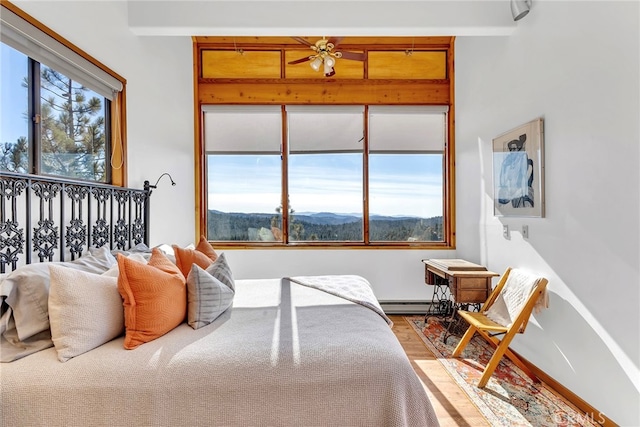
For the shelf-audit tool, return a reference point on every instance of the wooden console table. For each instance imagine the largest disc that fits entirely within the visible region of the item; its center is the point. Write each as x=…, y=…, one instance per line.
x=467, y=283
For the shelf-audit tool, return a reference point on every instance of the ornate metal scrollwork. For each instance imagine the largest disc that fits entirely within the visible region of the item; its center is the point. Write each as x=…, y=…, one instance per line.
x=46, y=190
x=137, y=230
x=45, y=239
x=76, y=236
x=12, y=240
x=56, y=217
x=46, y=235
x=121, y=196
x=100, y=233
x=121, y=234
x=102, y=195
x=76, y=193
x=12, y=188
x=100, y=230
x=11, y=243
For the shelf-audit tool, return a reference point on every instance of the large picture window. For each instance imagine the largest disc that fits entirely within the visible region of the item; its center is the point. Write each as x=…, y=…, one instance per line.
x=355, y=175
x=56, y=106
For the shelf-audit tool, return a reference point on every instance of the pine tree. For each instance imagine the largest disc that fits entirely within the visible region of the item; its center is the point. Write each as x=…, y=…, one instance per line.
x=73, y=140
x=14, y=157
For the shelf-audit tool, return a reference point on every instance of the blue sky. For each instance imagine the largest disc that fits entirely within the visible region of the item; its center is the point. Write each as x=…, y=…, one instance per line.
x=13, y=97
x=399, y=185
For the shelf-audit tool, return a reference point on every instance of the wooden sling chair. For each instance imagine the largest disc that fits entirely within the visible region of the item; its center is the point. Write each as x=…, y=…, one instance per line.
x=506, y=312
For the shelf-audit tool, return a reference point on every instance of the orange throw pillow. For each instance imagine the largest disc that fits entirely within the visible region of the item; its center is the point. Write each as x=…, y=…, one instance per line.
x=203, y=255
x=155, y=298
x=205, y=247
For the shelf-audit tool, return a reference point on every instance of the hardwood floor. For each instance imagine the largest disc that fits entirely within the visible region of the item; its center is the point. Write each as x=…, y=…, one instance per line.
x=451, y=404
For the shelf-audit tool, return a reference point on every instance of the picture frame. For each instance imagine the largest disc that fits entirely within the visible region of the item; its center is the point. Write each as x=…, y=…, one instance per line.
x=518, y=171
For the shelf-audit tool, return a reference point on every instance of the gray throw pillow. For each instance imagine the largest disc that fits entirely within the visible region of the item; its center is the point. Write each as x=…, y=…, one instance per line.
x=221, y=271
x=207, y=297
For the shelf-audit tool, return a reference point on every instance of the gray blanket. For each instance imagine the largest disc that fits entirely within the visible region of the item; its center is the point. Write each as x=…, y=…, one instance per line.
x=353, y=288
x=283, y=355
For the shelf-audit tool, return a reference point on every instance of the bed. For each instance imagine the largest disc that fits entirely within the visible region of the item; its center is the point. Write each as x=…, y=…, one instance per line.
x=292, y=351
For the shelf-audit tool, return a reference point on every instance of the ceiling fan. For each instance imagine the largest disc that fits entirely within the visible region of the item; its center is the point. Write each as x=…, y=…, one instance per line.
x=324, y=54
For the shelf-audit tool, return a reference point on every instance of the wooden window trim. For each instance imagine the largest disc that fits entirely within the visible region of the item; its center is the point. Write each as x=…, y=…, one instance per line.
x=334, y=91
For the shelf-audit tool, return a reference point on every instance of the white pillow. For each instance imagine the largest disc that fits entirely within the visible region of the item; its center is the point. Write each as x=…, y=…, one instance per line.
x=115, y=271
x=25, y=323
x=27, y=289
x=85, y=311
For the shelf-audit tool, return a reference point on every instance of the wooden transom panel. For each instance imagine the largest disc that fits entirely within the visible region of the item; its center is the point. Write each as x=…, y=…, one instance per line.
x=231, y=64
x=430, y=65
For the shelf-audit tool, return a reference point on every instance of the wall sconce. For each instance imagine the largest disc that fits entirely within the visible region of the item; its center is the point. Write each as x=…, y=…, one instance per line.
x=520, y=9
x=147, y=208
x=148, y=187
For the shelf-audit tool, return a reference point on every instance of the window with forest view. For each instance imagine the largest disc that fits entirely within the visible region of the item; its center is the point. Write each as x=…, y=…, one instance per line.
x=327, y=179
x=63, y=131
x=244, y=170
x=56, y=104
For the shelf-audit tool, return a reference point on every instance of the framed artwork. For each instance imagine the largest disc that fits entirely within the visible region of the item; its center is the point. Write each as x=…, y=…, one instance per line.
x=518, y=171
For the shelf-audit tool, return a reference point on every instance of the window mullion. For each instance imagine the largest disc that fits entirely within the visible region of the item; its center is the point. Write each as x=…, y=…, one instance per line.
x=35, y=126
x=284, y=156
x=365, y=176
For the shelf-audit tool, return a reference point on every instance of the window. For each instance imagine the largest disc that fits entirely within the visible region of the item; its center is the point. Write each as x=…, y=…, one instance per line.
x=406, y=173
x=244, y=170
x=325, y=173
x=56, y=116
x=355, y=175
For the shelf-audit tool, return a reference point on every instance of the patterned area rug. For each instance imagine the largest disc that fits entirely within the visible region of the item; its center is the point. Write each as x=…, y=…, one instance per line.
x=510, y=398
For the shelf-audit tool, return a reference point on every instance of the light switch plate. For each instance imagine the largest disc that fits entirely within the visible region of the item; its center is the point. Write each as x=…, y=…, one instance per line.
x=525, y=231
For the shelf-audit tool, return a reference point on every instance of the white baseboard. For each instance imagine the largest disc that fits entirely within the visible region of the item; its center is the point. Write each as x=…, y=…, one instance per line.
x=405, y=307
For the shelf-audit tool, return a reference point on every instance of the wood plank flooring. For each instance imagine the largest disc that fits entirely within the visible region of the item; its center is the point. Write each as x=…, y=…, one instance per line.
x=451, y=404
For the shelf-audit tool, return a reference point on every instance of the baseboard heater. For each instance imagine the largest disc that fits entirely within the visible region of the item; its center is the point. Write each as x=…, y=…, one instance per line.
x=405, y=307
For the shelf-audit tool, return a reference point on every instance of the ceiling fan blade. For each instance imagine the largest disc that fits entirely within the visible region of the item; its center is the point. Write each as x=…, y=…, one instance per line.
x=335, y=40
x=353, y=56
x=303, y=41
x=298, y=61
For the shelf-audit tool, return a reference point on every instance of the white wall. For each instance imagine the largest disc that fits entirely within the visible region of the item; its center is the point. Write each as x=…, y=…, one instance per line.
x=579, y=70
x=576, y=65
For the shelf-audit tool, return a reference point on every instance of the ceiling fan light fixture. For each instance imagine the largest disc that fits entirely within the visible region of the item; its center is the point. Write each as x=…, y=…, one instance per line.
x=328, y=70
x=324, y=57
x=329, y=61
x=316, y=63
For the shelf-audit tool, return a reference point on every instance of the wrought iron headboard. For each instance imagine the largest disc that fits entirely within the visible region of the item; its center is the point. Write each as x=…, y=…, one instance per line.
x=59, y=219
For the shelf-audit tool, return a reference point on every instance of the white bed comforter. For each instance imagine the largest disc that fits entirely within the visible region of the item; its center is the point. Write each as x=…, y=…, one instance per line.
x=284, y=355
